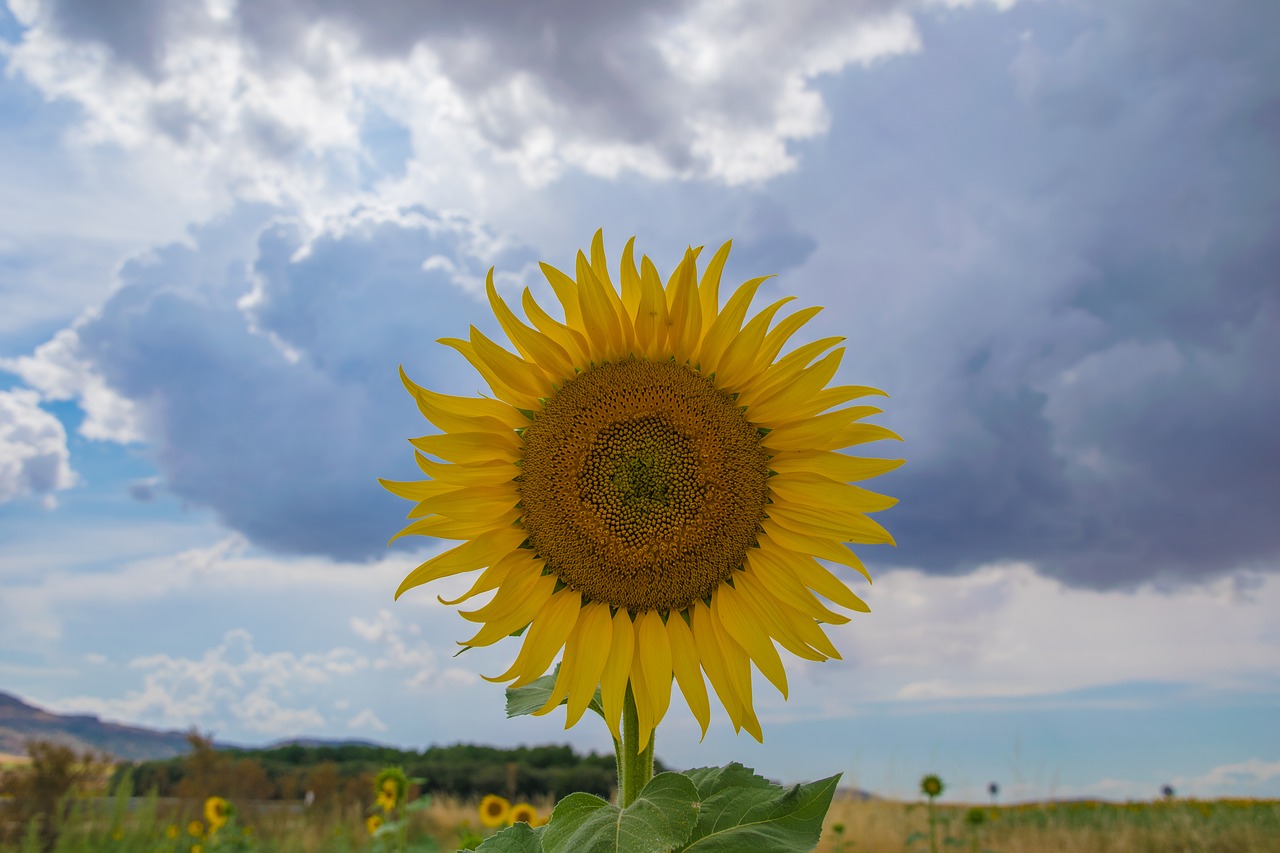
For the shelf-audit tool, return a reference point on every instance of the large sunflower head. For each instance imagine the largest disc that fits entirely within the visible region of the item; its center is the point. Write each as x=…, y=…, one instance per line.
x=650, y=490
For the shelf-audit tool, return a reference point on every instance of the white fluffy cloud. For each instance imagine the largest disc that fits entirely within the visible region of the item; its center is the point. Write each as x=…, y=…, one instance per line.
x=277, y=105
x=34, y=460
x=1006, y=633
x=58, y=372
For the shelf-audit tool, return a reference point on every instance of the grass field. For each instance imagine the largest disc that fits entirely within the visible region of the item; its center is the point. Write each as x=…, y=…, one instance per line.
x=873, y=826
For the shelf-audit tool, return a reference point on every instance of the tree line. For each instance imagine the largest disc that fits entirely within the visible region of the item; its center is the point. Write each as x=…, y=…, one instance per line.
x=329, y=776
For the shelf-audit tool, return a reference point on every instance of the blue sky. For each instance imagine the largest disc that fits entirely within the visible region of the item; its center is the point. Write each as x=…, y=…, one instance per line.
x=1047, y=228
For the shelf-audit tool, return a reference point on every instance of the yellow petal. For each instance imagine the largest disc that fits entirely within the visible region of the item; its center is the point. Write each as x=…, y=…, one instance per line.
x=448, y=528
x=515, y=610
x=600, y=269
x=712, y=659
x=810, y=574
x=781, y=374
x=492, y=577
x=817, y=492
x=475, y=504
x=468, y=556
x=416, y=490
x=838, y=395
x=779, y=335
x=798, y=390
x=651, y=313
x=595, y=627
x=570, y=340
x=630, y=282
x=683, y=310
x=462, y=414
x=814, y=575
x=746, y=631
x=501, y=390
x=764, y=607
x=581, y=654
x=775, y=618
x=490, y=472
x=738, y=665
x=655, y=661
x=617, y=671
x=773, y=573
x=644, y=705
x=599, y=318
x=847, y=527
x=815, y=432
x=532, y=344
x=525, y=572
x=798, y=624
x=709, y=288
x=546, y=637
x=684, y=663
x=514, y=372
x=832, y=465
x=469, y=446
x=724, y=328
x=566, y=290
x=734, y=371
x=823, y=547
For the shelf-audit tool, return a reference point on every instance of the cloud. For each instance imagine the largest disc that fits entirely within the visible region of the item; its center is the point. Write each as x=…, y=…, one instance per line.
x=269, y=386
x=1004, y=635
x=274, y=100
x=58, y=372
x=232, y=683
x=366, y=720
x=34, y=460
x=1246, y=778
x=1071, y=300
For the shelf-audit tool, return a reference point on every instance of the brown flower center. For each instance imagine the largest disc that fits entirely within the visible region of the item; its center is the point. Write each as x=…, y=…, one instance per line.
x=642, y=485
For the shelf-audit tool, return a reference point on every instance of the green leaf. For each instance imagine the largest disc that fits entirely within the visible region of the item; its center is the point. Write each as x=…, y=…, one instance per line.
x=531, y=697
x=660, y=820
x=712, y=780
x=517, y=838
x=768, y=819
x=423, y=802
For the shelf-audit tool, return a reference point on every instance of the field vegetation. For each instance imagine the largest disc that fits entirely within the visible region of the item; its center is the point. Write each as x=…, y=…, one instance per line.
x=61, y=801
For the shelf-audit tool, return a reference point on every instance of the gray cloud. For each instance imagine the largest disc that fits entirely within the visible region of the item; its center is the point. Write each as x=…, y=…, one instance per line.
x=280, y=410
x=1061, y=237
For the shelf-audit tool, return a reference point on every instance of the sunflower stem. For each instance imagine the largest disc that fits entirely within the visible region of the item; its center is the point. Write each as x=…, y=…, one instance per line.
x=635, y=767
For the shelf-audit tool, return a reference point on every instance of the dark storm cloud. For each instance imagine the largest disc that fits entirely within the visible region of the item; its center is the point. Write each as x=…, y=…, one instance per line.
x=1066, y=230
x=287, y=448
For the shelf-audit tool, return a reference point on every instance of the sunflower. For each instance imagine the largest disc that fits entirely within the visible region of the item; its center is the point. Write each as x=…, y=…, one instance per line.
x=523, y=812
x=390, y=785
x=650, y=490
x=373, y=823
x=494, y=811
x=931, y=786
x=195, y=829
x=216, y=812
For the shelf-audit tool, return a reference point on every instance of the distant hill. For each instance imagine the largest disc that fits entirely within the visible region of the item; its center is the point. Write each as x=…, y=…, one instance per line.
x=20, y=722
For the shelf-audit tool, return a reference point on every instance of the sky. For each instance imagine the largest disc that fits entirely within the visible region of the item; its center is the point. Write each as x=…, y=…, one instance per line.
x=1050, y=229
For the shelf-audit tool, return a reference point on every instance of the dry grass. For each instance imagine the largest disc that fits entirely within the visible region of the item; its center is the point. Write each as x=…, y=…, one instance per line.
x=881, y=826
